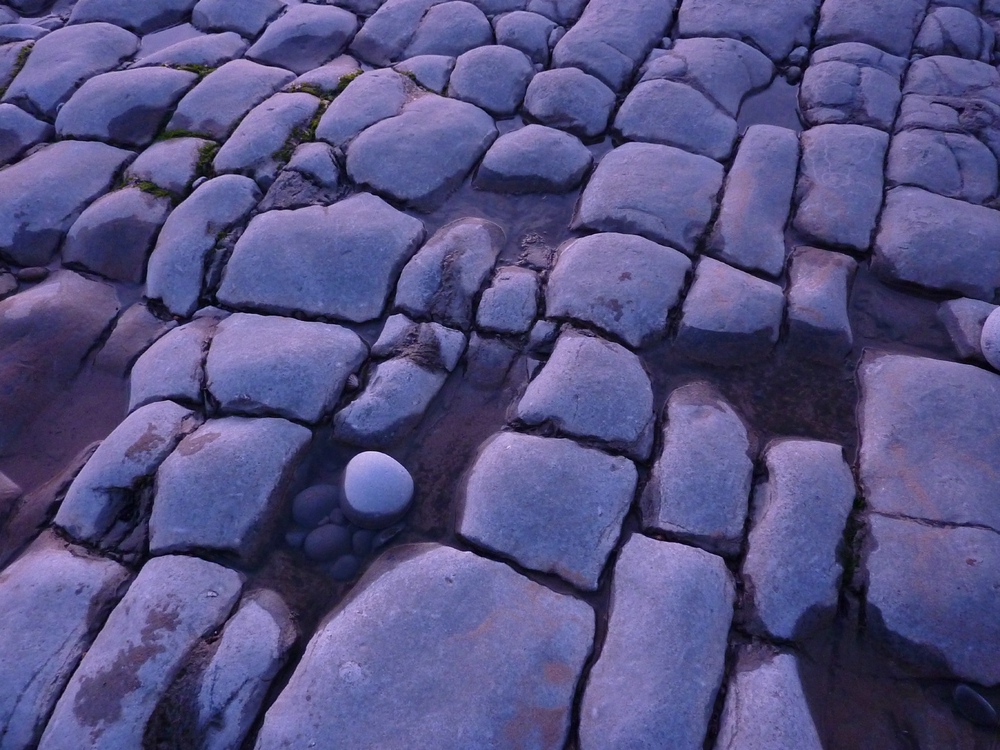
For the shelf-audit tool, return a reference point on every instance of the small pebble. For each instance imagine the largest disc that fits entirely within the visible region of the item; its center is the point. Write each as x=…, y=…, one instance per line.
x=361, y=542
x=989, y=340
x=295, y=538
x=199, y=182
x=315, y=503
x=346, y=568
x=798, y=56
x=327, y=543
x=794, y=74
x=32, y=274
x=974, y=707
x=377, y=490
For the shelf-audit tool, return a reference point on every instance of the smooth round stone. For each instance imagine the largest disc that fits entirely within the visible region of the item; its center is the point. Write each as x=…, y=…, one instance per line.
x=327, y=542
x=377, y=490
x=362, y=542
x=990, y=339
x=314, y=504
x=974, y=707
x=32, y=274
x=295, y=538
x=346, y=568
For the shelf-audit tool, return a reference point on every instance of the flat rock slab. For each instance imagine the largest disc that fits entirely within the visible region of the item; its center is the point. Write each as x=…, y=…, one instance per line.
x=612, y=37
x=571, y=100
x=956, y=31
x=655, y=682
x=750, y=230
x=141, y=18
x=510, y=303
x=248, y=18
x=775, y=28
x=955, y=165
x=305, y=37
x=522, y=483
x=938, y=243
x=172, y=604
x=442, y=280
x=929, y=433
x=19, y=131
x=262, y=365
x=463, y=652
x=98, y=499
x=242, y=466
x=839, y=191
x=819, y=326
x=176, y=268
x=171, y=164
x=51, y=600
x=628, y=194
x=792, y=568
x=534, y=159
x=934, y=590
x=367, y=99
x=766, y=707
x=62, y=60
x=424, y=153
x=124, y=107
x=890, y=25
x=338, y=261
x=173, y=366
x=699, y=488
x=624, y=284
x=593, y=389
x=216, y=105
x=964, y=320
x=46, y=192
x=400, y=29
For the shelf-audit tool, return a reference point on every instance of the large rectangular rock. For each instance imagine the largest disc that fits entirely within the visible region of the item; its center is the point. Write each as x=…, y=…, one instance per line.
x=891, y=25
x=774, y=27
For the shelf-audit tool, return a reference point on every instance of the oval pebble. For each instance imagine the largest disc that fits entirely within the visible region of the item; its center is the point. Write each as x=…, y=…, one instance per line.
x=295, y=538
x=989, y=341
x=974, y=707
x=346, y=568
x=377, y=490
x=315, y=503
x=327, y=542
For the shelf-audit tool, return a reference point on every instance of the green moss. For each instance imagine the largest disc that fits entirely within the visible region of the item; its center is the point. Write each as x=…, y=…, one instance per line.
x=310, y=88
x=199, y=70
x=22, y=58
x=205, y=156
x=167, y=135
x=345, y=80
x=153, y=189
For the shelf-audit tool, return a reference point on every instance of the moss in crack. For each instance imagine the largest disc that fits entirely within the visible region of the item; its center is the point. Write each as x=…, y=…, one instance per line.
x=199, y=70
x=311, y=88
x=19, y=63
x=153, y=189
x=167, y=135
x=206, y=154
x=346, y=79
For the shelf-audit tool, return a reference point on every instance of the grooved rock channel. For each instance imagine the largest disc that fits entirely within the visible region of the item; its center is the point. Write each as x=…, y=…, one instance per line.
x=499, y=374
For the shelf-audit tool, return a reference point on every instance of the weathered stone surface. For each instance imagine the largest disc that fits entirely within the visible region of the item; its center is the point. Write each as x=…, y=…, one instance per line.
x=45, y=334
x=19, y=32
x=243, y=465
x=96, y=509
x=929, y=430
x=432, y=344
x=729, y=317
x=851, y=83
x=441, y=281
x=819, y=327
x=305, y=37
x=409, y=28
x=464, y=652
x=493, y=78
x=369, y=98
x=671, y=608
x=528, y=32
x=569, y=99
x=627, y=193
x=171, y=165
x=339, y=261
x=255, y=147
x=396, y=396
x=312, y=176
x=955, y=31
x=19, y=131
x=208, y=50
x=839, y=192
x=591, y=388
x=331, y=78
x=625, y=285
x=47, y=191
x=989, y=342
x=113, y=236
x=11, y=59
x=934, y=589
x=252, y=649
x=172, y=604
x=61, y=61
x=887, y=24
x=938, y=243
x=534, y=159
x=424, y=153
x=215, y=106
x=750, y=230
x=510, y=303
x=964, y=319
x=176, y=269
x=51, y=600
x=135, y=330
x=699, y=488
x=792, y=569
x=265, y=365
x=430, y=71
x=775, y=28
x=142, y=18
x=521, y=483
x=765, y=705
x=248, y=18
x=612, y=37
x=955, y=165
x=173, y=367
